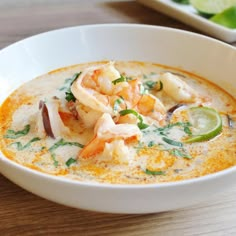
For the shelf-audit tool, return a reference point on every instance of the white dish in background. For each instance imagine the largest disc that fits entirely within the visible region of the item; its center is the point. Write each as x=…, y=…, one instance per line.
x=37, y=55
x=188, y=15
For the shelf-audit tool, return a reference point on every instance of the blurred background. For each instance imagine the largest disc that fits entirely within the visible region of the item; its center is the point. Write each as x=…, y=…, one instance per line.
x=23, y=18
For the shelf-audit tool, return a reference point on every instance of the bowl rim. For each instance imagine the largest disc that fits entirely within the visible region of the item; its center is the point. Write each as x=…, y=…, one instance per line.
x=133, y=25
x=75, y=182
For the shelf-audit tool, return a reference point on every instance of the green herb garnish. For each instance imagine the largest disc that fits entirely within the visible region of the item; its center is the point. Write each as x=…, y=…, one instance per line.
x=119, y=80
x=180, y=153
x=172, y=142
x=70, y=161
x=55, y=161
x=165, y=129
x=129, y=111
x=69, y=95
x=150, y=172
x=187, y=130
x=150, y=84
x=117, y=103
x=20, y=146
x=16, y=134
x=62, y=142
x=151, y=144
x=140, y=124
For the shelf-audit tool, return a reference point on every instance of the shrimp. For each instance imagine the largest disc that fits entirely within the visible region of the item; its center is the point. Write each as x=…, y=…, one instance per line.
x=87, y=115
x=106, y=131
x=176, y=88
x=149, y=105
x=97, y=93
x=117, y=152
x=94, y=87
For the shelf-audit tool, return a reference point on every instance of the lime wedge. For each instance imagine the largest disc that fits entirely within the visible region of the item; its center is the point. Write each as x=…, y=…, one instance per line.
x=181, y=1
x=206, y=124
x=212, y=7
x=226, y=18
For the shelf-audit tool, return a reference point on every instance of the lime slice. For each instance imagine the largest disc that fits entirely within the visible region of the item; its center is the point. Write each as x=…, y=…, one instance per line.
x=226, y=18
x=212, y=7
x=206, y=123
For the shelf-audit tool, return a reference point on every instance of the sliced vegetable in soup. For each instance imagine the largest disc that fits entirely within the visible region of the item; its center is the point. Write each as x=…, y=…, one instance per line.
x=120, y=123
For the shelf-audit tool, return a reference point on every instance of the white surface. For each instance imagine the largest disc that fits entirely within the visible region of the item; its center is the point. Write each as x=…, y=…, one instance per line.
x=188, y=15
x=39, y=54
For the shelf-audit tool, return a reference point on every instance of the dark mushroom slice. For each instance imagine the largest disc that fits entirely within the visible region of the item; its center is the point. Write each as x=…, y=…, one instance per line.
x=171, y=110
x=46, y=119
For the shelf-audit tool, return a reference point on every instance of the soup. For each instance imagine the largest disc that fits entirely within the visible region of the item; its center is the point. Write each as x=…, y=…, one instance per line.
x=121, y=123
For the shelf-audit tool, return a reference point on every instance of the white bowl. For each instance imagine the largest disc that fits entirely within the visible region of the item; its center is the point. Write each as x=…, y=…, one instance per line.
x=37, y=55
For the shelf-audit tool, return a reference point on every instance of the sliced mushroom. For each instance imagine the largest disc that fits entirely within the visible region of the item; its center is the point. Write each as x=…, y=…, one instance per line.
x=46, y=120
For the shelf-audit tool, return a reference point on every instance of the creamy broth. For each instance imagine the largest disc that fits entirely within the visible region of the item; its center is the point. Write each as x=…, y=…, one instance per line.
x=119, y=123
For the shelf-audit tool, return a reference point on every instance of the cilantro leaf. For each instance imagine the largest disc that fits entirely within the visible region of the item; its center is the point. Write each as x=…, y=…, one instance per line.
x=69, y=95
x=11, y=134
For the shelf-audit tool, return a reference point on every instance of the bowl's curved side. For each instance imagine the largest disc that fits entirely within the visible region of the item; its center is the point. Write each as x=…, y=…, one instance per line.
x=39, y=54
x=118, y=198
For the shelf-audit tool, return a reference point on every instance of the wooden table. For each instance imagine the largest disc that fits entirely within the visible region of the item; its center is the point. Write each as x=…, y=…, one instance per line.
x=22, y=213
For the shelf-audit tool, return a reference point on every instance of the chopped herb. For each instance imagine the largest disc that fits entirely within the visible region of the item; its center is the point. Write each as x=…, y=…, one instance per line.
x=74, y=77
x=165, y=129
x=55, y=162
x=180, y=153
x=172, y=142
x=62, y=142
x=129, y=111
x=16, y=134
x=187, y=130
x=21, y=147
x=117, y=103
x=151, y=144
x=141, y=125
x=69, y=95
x=150, y=172
x=119, y=80
x=70, y=161
x=149, y=84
